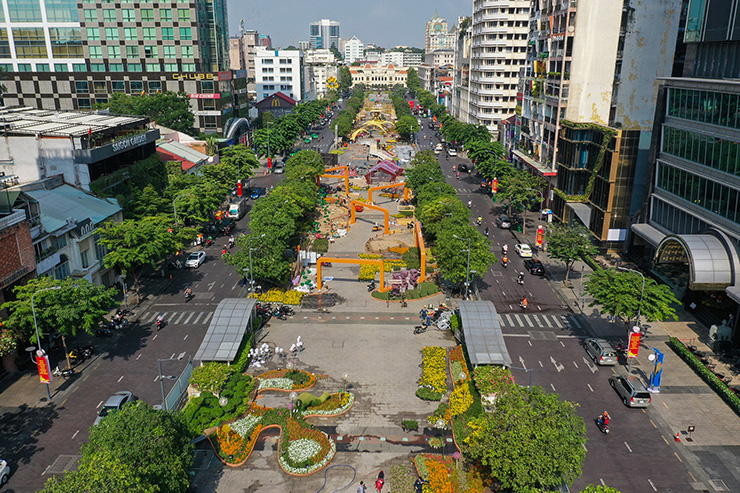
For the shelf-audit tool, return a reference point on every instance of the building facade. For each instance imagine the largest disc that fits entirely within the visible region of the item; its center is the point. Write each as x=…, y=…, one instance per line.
x=278, y=70
x=318, y=67
x=374, y=75
x=354, y=50
x=324, y=34
x=460, y=98
x=499, y=37
x=437, y=36
x=405, y=58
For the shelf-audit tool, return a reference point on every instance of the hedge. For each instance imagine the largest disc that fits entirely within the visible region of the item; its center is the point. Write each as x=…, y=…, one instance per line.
x=706, y=374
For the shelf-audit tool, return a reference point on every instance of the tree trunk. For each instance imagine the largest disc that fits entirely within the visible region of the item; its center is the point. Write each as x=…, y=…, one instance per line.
x=567, y=272
x=66, y=351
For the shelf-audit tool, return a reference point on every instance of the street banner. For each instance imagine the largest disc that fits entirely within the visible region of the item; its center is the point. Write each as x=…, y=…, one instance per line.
x=634, y=345
x=494, y=185
x=540, y=235
x=42, y=362
x=657, y=371
x=239, y=190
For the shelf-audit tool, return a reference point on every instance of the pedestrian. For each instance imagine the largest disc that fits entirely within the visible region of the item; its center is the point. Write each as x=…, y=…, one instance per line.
x=730, y=321
x=361, y=488
x=379, y=482
x=419, y=484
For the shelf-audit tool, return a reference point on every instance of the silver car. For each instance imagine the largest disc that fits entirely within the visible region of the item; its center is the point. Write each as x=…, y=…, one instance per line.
x=631, y=390
x=601, y=351
x=113, y=404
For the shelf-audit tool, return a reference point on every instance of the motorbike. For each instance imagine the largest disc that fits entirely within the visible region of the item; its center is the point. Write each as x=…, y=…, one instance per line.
x=103, y=332
x=523, y=304
x=80, y=354
x=287, y=311
x=63, y=373
x=160, y=323
x=371, y=287
x=420, y=329
x=478, y=222
x=118, y=322
x=505, y=249
x=174, y=265
x=520, y=280
x=279, y=315
x=602, y=425
x=505, y=263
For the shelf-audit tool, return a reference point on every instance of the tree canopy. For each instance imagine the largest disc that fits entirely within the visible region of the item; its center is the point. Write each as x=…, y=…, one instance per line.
x=412, y=79
x=345, y=79
x=569, y=244
x=452, y=255
x=522, y=190
x=168, y=109
x=135, y=449
x=531, y=442
x=406, y=126
x=619, y=294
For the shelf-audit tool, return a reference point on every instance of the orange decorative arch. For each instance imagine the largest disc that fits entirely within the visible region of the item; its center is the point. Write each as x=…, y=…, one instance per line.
x=361, y=261
x=403, y=184
x=422, y=251
x=385, y=212
x=344, y=175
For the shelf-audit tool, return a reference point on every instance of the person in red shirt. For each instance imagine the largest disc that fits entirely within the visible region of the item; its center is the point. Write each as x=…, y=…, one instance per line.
x=379, y=482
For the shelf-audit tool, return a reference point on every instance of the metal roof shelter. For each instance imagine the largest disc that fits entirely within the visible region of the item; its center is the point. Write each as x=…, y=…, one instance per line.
x=226, y=331
x=482, y=333
x=24, y=120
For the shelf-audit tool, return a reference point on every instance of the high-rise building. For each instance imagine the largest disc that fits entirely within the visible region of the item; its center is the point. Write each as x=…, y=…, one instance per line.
x=588, y=102
x=689, y=228
x=460, y=101
x=354, y=50
x=318, y=66
x=67, y=55
x=499, y=36
x=278, y=71
x=237, y=53
x=324, y=34
x=437, y=35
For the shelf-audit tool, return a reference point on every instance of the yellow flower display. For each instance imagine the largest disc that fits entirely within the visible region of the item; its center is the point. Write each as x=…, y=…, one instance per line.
x=460, y=399
x=434, y=373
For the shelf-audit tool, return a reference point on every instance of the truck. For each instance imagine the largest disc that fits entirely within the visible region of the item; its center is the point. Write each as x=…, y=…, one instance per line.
x=237, y=209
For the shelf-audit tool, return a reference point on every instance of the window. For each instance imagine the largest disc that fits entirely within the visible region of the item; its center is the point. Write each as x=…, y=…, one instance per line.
x=169, y=52
x=128, y=15
x=96, y=52
x=188, y=67
x=187, y=51
x=183, y=15
x=165, y=15
x=79, y=67
x=24, y=10
x=29, y=42
x=206, y=86
x=132, y=52
x=62, y=271
x=153, y=67
x=168, y=33
x=42, y=67
x=147, y=15
x=91, y=15
x=97, y=67
x=268, y=61
x=170, y=67
x=59, y=242
x=118, y=86
x=209, y=122
x=155, y=86
x=111, y=33
x=150, y=33
x=100, y=250
x=66, y=42
x=61, y=67
x=24, y=67
x=61, y=11
x=114, y=52
x=100, y=87
x=151, y=52
x=5, y=45
x=129, y=34
x=109, y=15
x=186, y=33
x=134, y=67
x=84, y=259
x=93, y=34
x=137, y=86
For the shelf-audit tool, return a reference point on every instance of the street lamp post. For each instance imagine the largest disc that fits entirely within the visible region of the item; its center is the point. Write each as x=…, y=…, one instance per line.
x=268, y=139
x=251, y=272
x=40, y=352
x=639, y=309
x=467, y=269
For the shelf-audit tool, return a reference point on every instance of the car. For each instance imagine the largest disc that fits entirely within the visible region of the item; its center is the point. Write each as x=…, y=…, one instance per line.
x=438, y=148
x=256, y=193
x=280, y=168
x=195, y=259
x=601, y=351
x=504, y=222
x=523, y=250
x=631, y=390
x=430, y=125
x=4, y=472
x=463, y=168
x=534, y=267
x=307, y=140
x=314, y=136
x=113, y=404
x=452, y=152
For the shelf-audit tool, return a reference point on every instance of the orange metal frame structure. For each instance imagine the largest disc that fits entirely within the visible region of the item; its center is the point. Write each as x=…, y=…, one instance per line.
x=386, y=214
x=422, y=251
x=382, y=288
x=403, y=184
x=345, y=175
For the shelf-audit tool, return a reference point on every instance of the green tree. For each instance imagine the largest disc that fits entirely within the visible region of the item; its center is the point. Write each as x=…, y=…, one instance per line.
x=345, y=79
x=211, y=144
x=406, y=126
x=168, y=109
x=451, y=251
x=592, y=488
x=425, y=169
x=412, y=80
x=620, y=294
x=568, y=244
x=522, y=190
x=337, y=54
x=269, y=259
x=135, y=449
x=147, y=202
x=531, y=442
x=440, y=214
x=68, y=306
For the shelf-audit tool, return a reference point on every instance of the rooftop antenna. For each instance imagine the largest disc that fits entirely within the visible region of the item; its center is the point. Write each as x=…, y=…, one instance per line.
x=241, y=27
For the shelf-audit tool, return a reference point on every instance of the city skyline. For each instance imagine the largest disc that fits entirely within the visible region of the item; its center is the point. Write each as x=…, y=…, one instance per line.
x=402, y=23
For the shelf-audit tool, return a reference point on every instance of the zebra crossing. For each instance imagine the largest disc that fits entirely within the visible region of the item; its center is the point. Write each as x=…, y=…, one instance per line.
x=179, y=318
x=539, y=320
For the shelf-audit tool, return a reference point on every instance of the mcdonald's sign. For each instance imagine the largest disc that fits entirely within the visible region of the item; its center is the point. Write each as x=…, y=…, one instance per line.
x=275, y=103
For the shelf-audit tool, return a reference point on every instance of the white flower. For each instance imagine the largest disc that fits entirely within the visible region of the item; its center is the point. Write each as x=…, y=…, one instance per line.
x=245, y=425
x=303, y=449
x=318, y=465
x=276, y=383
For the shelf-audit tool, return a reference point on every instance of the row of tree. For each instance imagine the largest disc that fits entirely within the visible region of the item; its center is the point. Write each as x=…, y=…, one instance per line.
x=406, y=123
x=345, y=121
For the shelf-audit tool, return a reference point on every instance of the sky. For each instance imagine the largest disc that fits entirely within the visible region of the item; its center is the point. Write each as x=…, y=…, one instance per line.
x=386, y=23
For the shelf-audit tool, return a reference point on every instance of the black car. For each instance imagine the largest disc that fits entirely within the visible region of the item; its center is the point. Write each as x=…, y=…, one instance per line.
x=463, y=168
x=534, y=267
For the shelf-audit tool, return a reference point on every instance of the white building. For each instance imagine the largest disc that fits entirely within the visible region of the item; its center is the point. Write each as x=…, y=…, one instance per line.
x=372, y=74
x=318, y=57
x=441, y=58
x=500, y=30
x=278, y=70
x=437, y=35
x=318, y=66
x=354, y=50
x=324, y=34
x=401, y=58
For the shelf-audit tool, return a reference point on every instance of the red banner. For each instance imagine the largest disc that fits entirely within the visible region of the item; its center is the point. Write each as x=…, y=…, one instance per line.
x=494, y=185
x=269, y=163
x=239, y=190
x=634, y=346
x=42, y=362
x=411, y=103
x=540, y=235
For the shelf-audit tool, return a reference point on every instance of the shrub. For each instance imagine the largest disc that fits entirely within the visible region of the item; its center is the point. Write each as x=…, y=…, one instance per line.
x=410, y=424
x=426, y=394
x=412, y=258
x=211, y=377
x=242, y=356
x=492, y=379
x=434, y=372
x=460, y=399
x=321, y=245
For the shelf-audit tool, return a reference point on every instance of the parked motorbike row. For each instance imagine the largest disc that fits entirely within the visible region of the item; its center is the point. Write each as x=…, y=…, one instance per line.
x=266, y=311
x=81, y=354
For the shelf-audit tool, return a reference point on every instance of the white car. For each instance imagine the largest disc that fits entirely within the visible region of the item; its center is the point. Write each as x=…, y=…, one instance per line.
x=523, y=250
x=4, y=472
x=195, y=259
x=438, y=149
x=451, y=152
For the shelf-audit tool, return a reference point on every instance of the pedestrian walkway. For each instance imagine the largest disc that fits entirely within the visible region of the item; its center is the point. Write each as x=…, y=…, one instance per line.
x=178, y=317
x=541, y=321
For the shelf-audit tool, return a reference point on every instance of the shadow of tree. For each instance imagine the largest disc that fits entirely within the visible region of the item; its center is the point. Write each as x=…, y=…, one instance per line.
x=21, y=428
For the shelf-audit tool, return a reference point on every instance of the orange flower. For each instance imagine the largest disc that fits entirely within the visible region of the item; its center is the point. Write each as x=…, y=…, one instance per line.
x=438, y=477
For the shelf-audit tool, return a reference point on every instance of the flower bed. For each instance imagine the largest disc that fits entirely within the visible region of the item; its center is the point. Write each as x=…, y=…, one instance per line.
x=276, y=295
x=302, y=433
x=276, y=380
x=446, y=474
x=433, y=381
x=461, y=398
x=334, y=405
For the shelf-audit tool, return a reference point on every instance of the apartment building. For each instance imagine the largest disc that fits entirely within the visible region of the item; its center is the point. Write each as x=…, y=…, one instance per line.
x=401, y=58
x=354, y=50
x=318, y=66
x=460, y=98
x=278, y=71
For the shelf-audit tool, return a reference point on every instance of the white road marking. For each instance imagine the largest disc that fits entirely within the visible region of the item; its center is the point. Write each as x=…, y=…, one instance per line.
x=182, y=315
x=198, y=317
x=541, y=365
x=99, y=404
x=187, y=320
x=589, y=387
x=156, y=378
x=558, y=367
x=557, y=322
x=210, y=285
x=539, y=323
x=119, y=380
x=547, y=321
x=185, y=338
x=519, y=321
x=553, y=388
x=139, y=356
x=628, y=447
x=575, y=364
x=208, y=317
x=155, y=336
x=561, y=343
x=575, y=322
x=521, y=361
x=529, y=341
x=75, y=434
x=652, y=485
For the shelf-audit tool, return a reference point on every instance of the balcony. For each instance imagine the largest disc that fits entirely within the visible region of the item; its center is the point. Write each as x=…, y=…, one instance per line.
x=111, y=147
x=48, y=262
x=16, y=217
